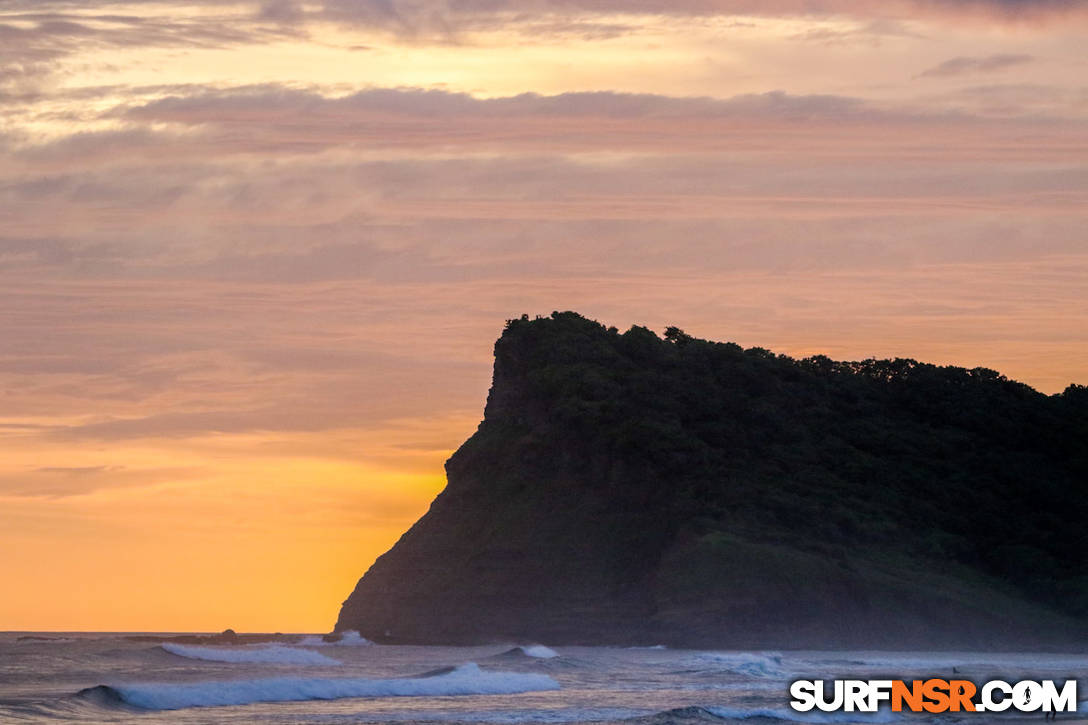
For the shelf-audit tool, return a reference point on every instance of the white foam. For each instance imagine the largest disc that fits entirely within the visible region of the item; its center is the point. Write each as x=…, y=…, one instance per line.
x=881, y=716
x=539, y=651
x=752, y=664
x=468, y=679
x=265, y=654
x=350, y=638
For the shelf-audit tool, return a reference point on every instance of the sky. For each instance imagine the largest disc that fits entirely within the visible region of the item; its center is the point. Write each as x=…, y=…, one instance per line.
x=254, y=255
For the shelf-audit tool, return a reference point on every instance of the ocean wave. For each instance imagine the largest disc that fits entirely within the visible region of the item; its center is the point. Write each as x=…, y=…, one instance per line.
x=937, y=662
x=729, y=713
x=468, y=679
x=945, y=662
x=752, y=664
x=539, y=651
x=102, y=695
x=350, y=638
x=275, y=654
x=535, y=651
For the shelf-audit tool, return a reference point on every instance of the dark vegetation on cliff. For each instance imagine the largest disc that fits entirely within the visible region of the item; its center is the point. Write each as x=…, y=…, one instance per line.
x=624, y=488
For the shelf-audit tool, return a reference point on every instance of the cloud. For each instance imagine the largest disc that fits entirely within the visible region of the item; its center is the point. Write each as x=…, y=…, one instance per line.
x=436, y=19
x=38, y=34
x=191, y=127
x=260, y=104
x=53, y=482
x=74, y=470
x=36, y=40
x=292, y=123
x=273, y=185
x=965, y=65
x=872, y=33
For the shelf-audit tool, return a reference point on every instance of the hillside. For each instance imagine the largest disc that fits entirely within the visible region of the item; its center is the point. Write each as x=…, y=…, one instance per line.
x=628, y=489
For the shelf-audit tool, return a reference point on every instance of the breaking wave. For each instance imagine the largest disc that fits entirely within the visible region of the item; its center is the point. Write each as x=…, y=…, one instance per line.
x=537, y=651
x=468, y=679
x=267, y=654
x=350, y=638
x=752, y=664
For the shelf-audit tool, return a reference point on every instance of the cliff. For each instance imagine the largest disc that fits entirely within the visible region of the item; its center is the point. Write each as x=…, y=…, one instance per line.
x=628, y=489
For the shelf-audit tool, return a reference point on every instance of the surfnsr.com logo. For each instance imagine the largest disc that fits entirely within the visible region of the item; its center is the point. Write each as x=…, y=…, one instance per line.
x=934, y=695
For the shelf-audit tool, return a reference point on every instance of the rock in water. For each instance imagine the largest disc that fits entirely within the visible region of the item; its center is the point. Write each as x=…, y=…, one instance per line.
x=627, y=489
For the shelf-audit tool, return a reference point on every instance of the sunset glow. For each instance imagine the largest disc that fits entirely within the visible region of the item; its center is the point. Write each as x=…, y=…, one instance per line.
x=254, y=256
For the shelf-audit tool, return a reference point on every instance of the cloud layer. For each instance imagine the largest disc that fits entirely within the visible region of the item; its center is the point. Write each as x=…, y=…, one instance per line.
x=254, y=257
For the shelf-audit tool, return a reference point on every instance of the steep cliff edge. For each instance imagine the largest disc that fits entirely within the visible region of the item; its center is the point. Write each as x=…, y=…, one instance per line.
x=628, y=489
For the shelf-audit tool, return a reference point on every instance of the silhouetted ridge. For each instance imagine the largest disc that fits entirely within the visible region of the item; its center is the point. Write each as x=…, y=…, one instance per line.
x=624, y=488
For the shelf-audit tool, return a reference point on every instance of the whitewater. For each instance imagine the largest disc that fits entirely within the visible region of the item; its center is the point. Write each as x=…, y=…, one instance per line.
x=104, y=678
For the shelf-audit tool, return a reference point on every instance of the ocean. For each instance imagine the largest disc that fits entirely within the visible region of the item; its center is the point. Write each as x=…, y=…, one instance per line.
x=109, y=678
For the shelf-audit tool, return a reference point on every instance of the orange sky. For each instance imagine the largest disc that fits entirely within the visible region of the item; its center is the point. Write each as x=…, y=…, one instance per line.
x=254, y=255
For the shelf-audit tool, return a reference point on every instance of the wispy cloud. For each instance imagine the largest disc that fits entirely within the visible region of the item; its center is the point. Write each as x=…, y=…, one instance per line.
x=54, y=482
x=966, y=65
x=872, y=32
x=37, y=36
x=445, y=16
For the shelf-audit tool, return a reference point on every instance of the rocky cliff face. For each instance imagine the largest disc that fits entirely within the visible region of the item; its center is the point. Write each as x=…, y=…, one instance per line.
x=627, y=489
